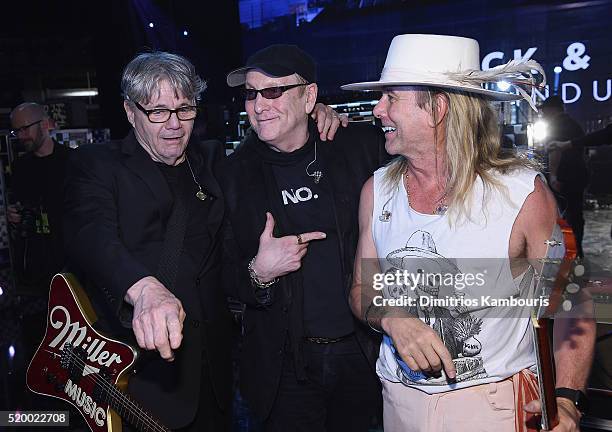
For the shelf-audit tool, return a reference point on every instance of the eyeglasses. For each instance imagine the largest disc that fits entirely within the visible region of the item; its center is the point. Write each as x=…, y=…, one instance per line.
x=162, y=115
x=15, y=132
x=270, y=92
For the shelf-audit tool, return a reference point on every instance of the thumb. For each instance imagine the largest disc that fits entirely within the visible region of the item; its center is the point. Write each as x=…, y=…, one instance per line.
x=533, y=407
x=269, y=228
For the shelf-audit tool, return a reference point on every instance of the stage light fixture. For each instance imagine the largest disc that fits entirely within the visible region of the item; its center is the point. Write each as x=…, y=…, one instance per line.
x=185, y=33
x=503, y=85
x=151, y=25
x=85, y=92
x=557, y=69
x=540, y=130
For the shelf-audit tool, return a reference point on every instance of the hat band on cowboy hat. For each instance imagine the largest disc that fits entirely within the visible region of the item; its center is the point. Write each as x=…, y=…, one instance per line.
x=450, y=62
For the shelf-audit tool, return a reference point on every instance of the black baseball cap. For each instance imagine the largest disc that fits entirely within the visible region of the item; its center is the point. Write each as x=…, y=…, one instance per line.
x=278, y=61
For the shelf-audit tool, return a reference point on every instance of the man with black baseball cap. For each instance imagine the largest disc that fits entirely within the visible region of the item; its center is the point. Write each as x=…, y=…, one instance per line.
x=278, y=60
x=292, y=203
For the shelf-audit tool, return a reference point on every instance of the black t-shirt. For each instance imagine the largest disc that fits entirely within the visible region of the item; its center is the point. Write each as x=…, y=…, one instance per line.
x=38, y=184
x=197, y=238
x=309, y=207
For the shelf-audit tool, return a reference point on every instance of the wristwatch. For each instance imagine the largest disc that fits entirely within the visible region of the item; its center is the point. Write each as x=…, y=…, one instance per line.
x=578, y=398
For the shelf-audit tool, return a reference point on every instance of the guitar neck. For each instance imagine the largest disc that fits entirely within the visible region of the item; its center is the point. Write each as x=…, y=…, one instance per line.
x=546, y=373
x=561, y=252
x=132, y=412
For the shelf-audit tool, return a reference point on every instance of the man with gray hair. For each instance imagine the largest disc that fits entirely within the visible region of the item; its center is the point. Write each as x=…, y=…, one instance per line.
x=143, y=218
x=142, y=234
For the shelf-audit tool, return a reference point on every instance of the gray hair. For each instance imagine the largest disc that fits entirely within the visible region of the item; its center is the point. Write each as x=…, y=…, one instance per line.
x=142, y=76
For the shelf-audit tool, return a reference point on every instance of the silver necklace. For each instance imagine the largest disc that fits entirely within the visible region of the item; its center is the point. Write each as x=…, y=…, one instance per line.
x=200, y=193
x=317, y=174
x=440, y=208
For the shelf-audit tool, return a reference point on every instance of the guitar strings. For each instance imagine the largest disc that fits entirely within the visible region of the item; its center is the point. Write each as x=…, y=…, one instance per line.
x=117, y=396
x=144, y=418
x=149, y=420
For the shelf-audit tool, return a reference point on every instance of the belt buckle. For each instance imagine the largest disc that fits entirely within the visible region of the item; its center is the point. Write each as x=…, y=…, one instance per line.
x=325, y=340
x=321, y=340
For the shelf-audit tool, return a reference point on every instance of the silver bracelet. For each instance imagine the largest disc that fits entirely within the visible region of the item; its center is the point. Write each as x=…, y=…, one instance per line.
x=255, y=279
x=365, y=318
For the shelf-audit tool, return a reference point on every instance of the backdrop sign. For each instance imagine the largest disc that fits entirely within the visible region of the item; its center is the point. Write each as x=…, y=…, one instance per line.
x=576, y=60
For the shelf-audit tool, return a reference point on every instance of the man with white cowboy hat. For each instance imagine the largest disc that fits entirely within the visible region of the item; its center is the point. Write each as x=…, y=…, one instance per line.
x=449, y=179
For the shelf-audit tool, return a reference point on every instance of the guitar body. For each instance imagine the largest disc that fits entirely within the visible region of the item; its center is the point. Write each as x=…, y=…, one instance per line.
x=77, y=364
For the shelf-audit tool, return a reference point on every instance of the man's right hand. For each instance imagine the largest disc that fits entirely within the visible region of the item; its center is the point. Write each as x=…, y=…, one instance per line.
x=279, y=256
x=419, y=345
x=158, y=316
x=13, y=214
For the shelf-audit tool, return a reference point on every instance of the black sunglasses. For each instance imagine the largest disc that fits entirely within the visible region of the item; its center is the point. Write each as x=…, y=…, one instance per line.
x=270, y=92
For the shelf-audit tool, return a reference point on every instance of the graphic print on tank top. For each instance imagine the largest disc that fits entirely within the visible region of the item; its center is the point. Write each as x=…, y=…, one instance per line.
x=455, y=325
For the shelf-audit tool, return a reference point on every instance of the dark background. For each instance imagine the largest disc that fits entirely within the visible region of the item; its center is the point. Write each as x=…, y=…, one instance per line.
x=54, y=45
x=79, y=44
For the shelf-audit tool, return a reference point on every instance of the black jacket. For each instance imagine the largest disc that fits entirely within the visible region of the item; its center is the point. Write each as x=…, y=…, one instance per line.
x=117, y=206
x=350, y=160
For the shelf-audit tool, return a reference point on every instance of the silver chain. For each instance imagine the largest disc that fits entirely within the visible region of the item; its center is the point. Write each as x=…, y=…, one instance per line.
x=440, y=207
x=200, y=193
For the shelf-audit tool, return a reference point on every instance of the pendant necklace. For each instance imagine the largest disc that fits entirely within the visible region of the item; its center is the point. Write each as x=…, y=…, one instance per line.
x=440, y=207
x=317, y=174
x=200, y=193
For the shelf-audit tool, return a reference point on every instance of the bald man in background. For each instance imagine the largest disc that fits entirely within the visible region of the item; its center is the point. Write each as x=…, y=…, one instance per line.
x=35, y=213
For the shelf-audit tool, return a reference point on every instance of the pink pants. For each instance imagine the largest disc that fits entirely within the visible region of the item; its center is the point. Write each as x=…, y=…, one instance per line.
x=487, y=407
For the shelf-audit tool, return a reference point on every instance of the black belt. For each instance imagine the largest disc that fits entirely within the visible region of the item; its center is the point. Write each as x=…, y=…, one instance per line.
x=326, y=340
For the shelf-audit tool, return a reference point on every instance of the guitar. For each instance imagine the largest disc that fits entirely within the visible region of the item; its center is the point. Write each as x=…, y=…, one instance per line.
x=555, y=282
x=79, y=365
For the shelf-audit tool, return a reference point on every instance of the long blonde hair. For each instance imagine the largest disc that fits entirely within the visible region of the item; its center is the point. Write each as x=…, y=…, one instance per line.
x=472, y=147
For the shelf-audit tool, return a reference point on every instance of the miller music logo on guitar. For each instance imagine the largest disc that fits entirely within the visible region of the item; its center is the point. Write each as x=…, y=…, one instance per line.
x=556, y=281
x=79, y=365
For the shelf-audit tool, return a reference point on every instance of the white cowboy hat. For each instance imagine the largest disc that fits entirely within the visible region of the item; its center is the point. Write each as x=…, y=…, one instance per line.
x=450, y=62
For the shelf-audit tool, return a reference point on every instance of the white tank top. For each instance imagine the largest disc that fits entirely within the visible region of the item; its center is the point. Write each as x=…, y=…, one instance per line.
x=487, y=344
